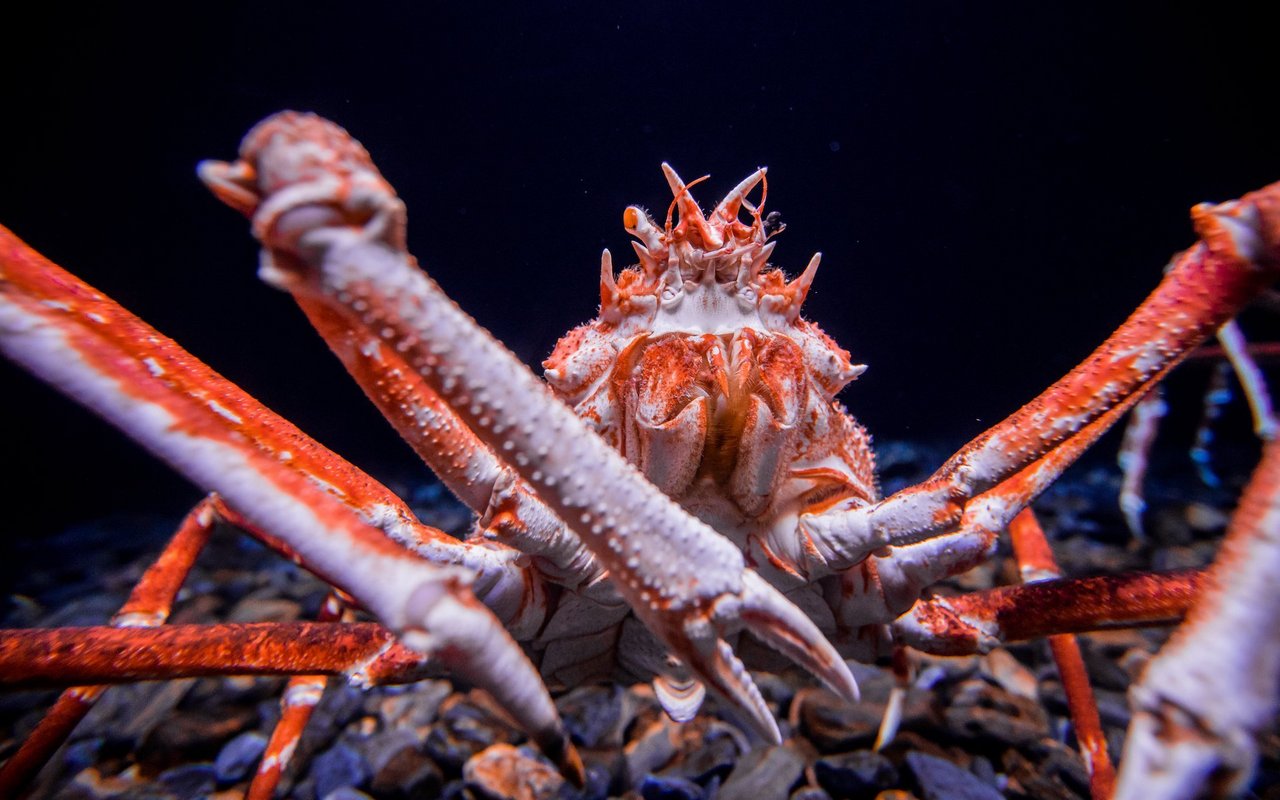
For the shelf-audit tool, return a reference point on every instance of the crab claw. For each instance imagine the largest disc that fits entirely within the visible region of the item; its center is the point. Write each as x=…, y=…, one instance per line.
x=767, y=614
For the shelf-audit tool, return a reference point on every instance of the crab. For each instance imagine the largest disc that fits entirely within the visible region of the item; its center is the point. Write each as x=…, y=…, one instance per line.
x=684, y=474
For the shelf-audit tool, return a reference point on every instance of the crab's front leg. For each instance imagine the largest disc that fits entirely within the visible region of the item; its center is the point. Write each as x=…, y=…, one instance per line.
x=333, y=232
x=338, y=521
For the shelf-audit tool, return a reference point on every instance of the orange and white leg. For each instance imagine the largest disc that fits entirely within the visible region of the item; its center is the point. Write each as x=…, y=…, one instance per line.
x=333, y=230
x=148, y=606
x=1213, y=689
x=301, y=695
x=1036, y=564
x=951, y=521
x=340, y=523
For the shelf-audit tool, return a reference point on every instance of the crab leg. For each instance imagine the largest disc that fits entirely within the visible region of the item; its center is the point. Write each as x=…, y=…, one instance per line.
x=366, y=652
x=1212, y=689
x=1037, y=564
x=148, y=606
x=78, y=340
x=1238, y=257
x=333, y=229
x=976, y=623
x=510, y=512
x=301, y=695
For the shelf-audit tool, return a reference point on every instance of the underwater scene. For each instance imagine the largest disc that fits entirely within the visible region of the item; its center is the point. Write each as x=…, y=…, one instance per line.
x=763, y=536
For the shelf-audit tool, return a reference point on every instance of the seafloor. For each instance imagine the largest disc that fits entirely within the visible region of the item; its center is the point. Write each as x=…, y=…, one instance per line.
x=987, y=727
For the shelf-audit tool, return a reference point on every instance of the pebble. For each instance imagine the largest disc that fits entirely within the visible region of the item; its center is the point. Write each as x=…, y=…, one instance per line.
x=939, y=779
x=346, y=793
x=979, y=710
x=189, y=781
x=856, y=774
x=414, y=707
x=659, y=787
x=398, y=767
x=649, y=751
x=593, y=715
x=239, y=757
x=1000, y=666
x=767, y=773
x=810, y=793
x=463, y=730
x=715, y=755
x=338, y=766
x=971, y=727
x=504, y=772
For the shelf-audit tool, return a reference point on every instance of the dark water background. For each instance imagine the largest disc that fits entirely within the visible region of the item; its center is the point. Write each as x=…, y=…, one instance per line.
x=994, y=187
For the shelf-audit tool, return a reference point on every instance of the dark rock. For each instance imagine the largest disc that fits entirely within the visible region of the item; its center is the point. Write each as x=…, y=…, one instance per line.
x=1056, y=771
x=80, y=754
x=239, y=757
x=715, y=756
x=767, y=773
x=413, y=707
x=649, y=750
x=658, y=787
x=939, y=779
x=346, y=793
x=189, y=781
x=462, y=731
x=835, y=727
x=981, y=711
x=984, y=770
x=593, y=715
x=198, y=732
x=857, y=774
x=398, y=768
x=338, y=766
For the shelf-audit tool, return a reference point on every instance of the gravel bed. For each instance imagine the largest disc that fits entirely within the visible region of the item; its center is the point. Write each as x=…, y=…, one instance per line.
x=977, y=727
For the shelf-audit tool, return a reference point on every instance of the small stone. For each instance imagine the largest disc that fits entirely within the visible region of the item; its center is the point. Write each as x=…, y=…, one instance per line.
x=1004, y=669
x=984, y=770
x=239, y=757
x=189, y=781
x=981, y=711
x=504, y=772
x=398, y=768
x=346, y=793
x=462, y=731
x=337, y=767
x=767, y=773
x=415, y=708
x=649, y=751
x=265, y=609
x=855, y=774
x=1056, y=772
x=82, y=753
x=593, y=715
x=200, y=731
x=939, y=779
x=715, y=755
x=660, y=787
x=810, y=793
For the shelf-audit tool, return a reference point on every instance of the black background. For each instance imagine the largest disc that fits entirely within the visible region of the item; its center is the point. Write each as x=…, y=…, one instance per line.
x=993, y=187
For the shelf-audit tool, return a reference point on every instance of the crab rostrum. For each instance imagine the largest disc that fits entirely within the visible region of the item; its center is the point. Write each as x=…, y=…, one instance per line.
x=684, y=474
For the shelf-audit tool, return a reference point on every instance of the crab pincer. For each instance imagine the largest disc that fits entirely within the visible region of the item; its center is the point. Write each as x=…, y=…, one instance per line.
x=333, y=232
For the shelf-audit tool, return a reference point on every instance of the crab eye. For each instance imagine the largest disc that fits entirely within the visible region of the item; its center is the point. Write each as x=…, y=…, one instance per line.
x=630, y=218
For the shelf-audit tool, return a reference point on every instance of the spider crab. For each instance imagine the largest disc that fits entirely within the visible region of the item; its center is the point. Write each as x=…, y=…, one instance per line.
x=684, y=474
